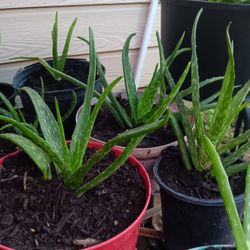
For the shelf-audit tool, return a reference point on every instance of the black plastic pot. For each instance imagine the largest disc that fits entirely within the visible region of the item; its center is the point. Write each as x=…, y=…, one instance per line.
x=9, y=91
x=64, y=96
x=189, y=222
x=178, y=16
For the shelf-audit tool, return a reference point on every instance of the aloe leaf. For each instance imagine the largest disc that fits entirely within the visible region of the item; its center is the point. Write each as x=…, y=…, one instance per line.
x=21, y=115
x=185, y=121
x=120, y=114
x=146, y=100
x=125, y=136
x=225, y=97
x=5, y=112
x=210, y=99
x=48, y=124
x=79, y=84
x=34, y=137
x=162, y=67
x=40, y=158
x=177, y=51
x=233, y=143
x=199, y=126
x=111, y=168
x=9, y=106
x=236, y=168
x=204, y=83
x=118, y=111
x=62, y=134
x=237, y=154
x=169, y=99
x=129, y=79
x=71, y=107
x=74, y=179
x=246, y=216
x=235, y=108
x=8, y=126
x=76, y=151
x=43, y=62
x=66, y=46
x=54, y=43
x=181, y=143
x=226, y=194
x=42, y=93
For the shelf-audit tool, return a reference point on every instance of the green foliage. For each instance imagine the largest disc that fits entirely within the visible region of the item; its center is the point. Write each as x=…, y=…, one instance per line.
x=231, y=1
x=241, y=232
x=58, y=61
x=225, y=110
x=51, y=146
x=142, y=107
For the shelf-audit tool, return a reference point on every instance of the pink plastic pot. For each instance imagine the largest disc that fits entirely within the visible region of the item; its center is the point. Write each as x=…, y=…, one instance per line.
x=127, y=239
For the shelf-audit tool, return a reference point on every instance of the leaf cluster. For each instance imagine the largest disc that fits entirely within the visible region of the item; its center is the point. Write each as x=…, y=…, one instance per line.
x=68, y=160
x=226, y=105
x=58, y=62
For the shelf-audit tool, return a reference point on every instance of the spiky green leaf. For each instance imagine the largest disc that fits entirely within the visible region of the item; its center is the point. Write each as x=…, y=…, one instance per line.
x=225, y=97
x=48, y=124
x=54, y=42
x=64, y=55
x=129, y=79
x=111, y=168
x=76, y=150
x=40, y=158
x=227, y=195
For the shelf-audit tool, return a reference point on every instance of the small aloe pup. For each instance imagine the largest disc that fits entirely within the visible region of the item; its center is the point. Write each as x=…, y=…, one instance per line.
x=52, y=146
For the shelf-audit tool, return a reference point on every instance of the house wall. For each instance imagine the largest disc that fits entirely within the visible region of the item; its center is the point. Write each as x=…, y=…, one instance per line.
x=25, y=30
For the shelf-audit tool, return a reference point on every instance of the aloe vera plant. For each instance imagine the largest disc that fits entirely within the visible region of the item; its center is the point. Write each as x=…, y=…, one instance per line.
x=142, y=106
x=226, y=109
x=241, y=232
x=58, y=62
x=52, y=146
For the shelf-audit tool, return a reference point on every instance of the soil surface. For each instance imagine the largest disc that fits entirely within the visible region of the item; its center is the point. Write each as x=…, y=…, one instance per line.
x=193, y=183
x=106, y=127
x=38, y=214
x=51, y=84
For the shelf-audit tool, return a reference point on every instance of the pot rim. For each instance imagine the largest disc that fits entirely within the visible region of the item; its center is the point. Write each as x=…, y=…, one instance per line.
x=186, y=198
x=143, y=173
x=37, y=64
x=209, y=5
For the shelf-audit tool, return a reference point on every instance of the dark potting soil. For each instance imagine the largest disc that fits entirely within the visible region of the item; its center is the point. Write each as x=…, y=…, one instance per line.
x=106, y=127
x=38, y=214
x=50, y=83
x=193, y=183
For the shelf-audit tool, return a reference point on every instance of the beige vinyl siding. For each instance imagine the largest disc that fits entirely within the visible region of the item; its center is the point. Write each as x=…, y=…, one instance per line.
x=25, y=28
